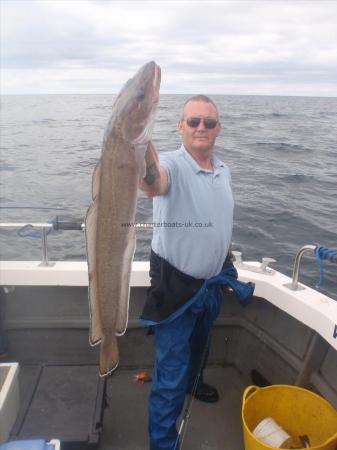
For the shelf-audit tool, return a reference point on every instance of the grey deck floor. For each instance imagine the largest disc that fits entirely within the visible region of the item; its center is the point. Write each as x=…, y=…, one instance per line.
x=210, y=427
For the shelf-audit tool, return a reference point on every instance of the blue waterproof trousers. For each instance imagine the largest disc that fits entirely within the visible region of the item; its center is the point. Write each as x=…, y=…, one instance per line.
x=179, y=349
x=180, y=343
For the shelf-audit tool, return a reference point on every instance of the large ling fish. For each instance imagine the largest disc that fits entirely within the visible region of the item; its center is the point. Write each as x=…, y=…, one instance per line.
x=110, y=244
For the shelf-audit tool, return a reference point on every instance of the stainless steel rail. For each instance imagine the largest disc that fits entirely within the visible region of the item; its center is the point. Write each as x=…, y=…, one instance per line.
x=305, y=249
x=23, y=224
x=61, y=223
x=44, y=227
x=78, y=225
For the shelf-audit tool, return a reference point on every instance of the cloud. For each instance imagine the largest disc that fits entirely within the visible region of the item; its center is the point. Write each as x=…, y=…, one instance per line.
x=234, y=46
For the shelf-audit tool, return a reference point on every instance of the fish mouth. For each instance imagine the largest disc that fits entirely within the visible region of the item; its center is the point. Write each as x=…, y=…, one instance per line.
x=146, y=117
x=138, y=102
x=156, y=83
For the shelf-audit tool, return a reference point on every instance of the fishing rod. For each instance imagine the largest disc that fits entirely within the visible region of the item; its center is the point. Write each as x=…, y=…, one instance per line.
x=188, y=409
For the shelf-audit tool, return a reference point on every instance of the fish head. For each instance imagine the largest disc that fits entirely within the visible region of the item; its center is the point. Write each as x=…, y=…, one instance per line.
x=137, y=104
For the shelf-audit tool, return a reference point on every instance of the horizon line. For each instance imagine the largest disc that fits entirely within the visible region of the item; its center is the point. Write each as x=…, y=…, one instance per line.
x=170, y=93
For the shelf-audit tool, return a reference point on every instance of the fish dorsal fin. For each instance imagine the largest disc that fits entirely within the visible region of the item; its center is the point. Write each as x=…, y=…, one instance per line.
x=95, y=335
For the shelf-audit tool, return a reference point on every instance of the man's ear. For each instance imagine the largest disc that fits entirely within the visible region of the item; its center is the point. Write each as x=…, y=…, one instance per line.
x=180, y=125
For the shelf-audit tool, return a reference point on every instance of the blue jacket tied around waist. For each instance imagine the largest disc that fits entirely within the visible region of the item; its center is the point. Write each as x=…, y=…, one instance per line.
x=171, y=295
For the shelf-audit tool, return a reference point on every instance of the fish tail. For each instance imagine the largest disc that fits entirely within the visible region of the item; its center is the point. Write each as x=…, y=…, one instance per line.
x=109, y=356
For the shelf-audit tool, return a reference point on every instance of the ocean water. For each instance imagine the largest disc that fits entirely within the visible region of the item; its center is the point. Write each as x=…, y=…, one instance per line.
x=282, y=153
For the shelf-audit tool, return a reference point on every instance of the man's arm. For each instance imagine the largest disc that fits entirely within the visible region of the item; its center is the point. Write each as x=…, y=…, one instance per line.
x=155, y=181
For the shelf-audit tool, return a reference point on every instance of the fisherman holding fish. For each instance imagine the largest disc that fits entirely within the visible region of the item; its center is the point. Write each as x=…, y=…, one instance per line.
x=190, y=260
x=193, y=219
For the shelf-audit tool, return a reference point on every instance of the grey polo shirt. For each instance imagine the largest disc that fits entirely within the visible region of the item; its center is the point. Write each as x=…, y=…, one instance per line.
x=193, y=221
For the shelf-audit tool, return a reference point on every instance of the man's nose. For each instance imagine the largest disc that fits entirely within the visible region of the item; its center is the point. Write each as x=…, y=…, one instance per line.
x=201, y=125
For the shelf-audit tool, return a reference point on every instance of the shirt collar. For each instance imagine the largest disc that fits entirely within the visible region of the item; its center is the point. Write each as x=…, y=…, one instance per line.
x=217, y=164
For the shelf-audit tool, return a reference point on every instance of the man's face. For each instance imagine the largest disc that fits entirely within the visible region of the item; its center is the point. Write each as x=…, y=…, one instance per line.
x=200, y=138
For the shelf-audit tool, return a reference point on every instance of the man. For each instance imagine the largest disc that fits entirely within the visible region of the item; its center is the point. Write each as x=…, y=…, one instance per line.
x=193, y=220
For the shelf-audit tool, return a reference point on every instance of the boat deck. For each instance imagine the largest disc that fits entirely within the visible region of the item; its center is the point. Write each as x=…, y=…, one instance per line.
x=210, y=427
x=47, y=327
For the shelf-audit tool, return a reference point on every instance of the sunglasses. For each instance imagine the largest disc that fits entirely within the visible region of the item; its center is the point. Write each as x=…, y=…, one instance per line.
x=209, y=122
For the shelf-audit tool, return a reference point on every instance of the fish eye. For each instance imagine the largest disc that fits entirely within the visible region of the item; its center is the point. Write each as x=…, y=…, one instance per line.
x=140, y=97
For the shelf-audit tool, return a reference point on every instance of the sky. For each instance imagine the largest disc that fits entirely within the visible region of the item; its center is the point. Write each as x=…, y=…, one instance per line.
x=236, y=47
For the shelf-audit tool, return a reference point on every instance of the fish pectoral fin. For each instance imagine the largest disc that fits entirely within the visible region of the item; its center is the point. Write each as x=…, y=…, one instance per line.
x=109, y=356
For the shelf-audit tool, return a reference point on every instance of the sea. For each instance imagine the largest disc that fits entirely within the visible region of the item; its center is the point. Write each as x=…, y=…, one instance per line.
x=281, y=151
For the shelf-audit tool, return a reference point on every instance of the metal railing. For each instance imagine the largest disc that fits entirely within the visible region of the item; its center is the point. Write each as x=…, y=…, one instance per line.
x=308, y=249
x=45, y=228
x=68, y=223
x=296, y=269
x=59, y=223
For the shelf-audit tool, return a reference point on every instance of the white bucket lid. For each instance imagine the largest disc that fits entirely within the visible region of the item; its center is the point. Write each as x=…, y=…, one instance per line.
x=270, y=433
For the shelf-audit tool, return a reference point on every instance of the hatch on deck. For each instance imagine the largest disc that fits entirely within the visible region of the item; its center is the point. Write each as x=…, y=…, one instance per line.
x=64, y=402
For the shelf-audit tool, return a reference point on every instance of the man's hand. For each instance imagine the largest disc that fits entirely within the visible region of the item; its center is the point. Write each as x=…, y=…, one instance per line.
x=155, y=181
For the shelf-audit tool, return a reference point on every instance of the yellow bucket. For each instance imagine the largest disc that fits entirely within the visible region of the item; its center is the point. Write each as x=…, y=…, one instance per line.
x=298, y=411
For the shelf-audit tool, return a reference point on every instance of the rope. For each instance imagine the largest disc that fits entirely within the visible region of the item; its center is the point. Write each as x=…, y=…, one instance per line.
x=30, y=232
x=322, y=253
